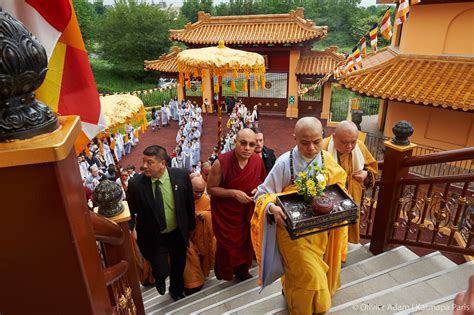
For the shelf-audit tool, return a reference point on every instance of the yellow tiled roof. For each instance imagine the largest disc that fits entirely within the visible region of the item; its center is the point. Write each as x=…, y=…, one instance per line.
x=290, y=28
x=166, y=62
x=313, y=62
x=446, y=81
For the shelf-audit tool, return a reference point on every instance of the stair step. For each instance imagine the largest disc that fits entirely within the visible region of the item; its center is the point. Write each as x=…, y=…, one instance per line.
x=276, y=301
x=181, y=306
x=352, y=247
x=227, y=306
x=358, y=254
x=224, y=294
x=278, y=311
x=271, y=304
x=391, y=277
x=442, y=305
x=374, y=264
x=442, y=308
x=417, y=291
x=162, y=304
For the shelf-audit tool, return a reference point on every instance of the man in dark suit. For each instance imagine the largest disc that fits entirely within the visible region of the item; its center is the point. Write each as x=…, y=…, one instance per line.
x=267, y=155
x=161, y=201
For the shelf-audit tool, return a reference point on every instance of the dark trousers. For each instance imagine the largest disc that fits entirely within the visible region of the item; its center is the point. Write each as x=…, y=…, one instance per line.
x=170, y=260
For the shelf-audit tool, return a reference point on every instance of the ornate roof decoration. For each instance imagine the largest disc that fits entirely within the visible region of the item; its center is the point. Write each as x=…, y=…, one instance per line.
x=316, y=62
x=289, y=28
x=166, y=62
x=442, y=80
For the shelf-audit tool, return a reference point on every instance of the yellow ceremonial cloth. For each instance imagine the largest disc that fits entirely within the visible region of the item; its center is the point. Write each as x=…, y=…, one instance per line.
x=204, y=236
x=312, y=263
x=193, y=276
x=354, y=187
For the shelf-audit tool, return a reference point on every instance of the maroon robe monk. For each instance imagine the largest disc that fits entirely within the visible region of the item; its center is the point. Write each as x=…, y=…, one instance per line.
x=233, y=180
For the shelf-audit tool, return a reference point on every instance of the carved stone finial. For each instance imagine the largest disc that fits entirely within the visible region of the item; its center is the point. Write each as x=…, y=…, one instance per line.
x=108, y=196
x=402, y=131
x=23, y=66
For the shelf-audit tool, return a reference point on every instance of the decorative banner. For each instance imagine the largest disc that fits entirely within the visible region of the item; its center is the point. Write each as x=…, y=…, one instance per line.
x=386, y=25
x=363, y=46
x=373, y=37
x=349, y=64
x=356, y=56
x=69, y=87
x=403, y=12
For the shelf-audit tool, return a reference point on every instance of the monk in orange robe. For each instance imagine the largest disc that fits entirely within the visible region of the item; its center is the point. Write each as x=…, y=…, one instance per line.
x=232, y=182
x=361, y=168
x=202, y=245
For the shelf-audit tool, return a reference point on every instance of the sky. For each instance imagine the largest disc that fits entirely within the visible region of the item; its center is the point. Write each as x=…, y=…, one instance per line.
x=364, y=3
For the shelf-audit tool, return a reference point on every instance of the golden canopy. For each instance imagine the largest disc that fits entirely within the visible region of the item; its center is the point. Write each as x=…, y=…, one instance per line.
x=121, y=109
x=218, y=61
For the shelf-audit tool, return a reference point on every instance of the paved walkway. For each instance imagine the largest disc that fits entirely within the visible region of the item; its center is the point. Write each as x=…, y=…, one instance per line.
x=278, y=133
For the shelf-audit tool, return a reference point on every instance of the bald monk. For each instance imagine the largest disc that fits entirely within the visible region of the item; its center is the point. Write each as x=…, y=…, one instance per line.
x=205, y=170
x=311, y=264
x=354, y=157
x=194, y=274
x=204, y=236
x=232, y=183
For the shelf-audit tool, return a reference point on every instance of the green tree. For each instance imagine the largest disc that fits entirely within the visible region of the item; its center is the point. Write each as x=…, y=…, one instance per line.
x=190, y=9
x=86, y=17
x=238, y=7
x=99, y=7
x=131, y=32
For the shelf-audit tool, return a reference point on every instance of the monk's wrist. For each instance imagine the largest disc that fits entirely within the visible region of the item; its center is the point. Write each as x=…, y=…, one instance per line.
x=270, y=205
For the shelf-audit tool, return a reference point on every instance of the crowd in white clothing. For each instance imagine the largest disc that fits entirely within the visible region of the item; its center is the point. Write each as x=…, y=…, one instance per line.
x=239, y=118
x=187, y=153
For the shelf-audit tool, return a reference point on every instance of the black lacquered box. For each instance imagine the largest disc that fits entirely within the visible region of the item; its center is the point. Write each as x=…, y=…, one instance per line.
x=303, y=221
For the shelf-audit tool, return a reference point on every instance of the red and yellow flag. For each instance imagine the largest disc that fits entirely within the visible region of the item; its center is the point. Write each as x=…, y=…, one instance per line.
x=402, y=12
x=386, y=25
x=363, y=46
x=373, y=37
x=69, y=87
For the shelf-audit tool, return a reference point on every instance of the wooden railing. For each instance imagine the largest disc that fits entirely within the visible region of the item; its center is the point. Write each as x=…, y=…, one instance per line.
x=118, y=265
x=375, y=144
x=429, y=212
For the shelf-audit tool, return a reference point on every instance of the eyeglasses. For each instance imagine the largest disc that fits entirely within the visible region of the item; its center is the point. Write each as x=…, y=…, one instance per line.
x=348, y=143
x=198, y=192
x=245, y=143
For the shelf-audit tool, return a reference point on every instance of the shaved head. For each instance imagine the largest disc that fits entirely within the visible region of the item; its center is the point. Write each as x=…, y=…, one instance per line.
x=309, y=137
x=245, y=132
x=308, y=123
x=205, y=170
x=199, y=186
x=346, y=126
x=345, y=137
x=198, y=181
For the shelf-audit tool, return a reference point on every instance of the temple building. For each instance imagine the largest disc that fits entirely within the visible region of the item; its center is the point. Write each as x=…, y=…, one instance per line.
x=426, y=76
x=285, y=41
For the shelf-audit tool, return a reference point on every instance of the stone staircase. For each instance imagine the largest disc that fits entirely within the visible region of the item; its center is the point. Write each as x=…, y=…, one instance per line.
x=394, y=282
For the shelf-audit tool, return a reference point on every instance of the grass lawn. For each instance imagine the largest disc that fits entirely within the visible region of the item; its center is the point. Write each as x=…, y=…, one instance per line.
x=107, y=80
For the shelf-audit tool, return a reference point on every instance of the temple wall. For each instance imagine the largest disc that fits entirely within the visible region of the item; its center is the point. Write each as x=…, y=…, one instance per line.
x=434, y=126
x=437, y=29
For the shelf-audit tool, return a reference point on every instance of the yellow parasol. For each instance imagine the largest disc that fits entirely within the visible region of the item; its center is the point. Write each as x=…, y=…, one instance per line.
x=120, y=110
x=218, y=61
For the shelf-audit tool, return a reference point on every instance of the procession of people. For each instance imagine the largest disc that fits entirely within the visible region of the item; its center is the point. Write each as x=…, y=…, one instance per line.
x=192, y=215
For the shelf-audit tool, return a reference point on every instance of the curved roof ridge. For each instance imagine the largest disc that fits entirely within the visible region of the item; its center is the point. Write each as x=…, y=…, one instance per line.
x=408, y=78
x=250, y=29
